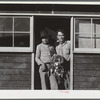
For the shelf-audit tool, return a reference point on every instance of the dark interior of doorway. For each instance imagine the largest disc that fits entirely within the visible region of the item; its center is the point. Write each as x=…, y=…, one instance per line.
x=51, y=24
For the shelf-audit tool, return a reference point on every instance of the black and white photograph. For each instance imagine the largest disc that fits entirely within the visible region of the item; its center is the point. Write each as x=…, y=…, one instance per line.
x=50, y=45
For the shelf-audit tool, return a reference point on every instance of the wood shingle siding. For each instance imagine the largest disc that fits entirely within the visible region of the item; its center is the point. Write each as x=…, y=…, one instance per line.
x=86, y=71
x=15, y=71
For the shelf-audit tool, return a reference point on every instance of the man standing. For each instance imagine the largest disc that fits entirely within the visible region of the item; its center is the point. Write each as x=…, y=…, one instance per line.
x=44, y=52
x=63, y=49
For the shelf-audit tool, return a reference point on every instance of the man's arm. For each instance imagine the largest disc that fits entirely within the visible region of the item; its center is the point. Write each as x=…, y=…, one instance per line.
x=69, y=46
x=38, y=54
x=68, y=43
x=38, y=60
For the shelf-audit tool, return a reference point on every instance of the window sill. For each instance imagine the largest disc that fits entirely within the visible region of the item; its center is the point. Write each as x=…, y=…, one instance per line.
x=16, y=49
x=86, y=50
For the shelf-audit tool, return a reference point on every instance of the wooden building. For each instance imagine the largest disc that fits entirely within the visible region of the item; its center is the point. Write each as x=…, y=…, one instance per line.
x=20, y=25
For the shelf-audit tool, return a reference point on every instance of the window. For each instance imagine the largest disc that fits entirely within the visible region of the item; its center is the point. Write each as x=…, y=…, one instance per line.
x=16, y=33
x=86, y=33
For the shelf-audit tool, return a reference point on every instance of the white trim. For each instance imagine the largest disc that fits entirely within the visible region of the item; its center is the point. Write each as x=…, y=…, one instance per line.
x=16, y=49
x=18, y=32
x=91, y=35
x=14, y=32
x=89, y=15
x=6, y=32
x=32, y=71
x=10, y=16
x=52, y=2
x=74, y=32
x=86, y=50
x=32, y=47
x=31, y=33
x=71, y=54
x=83, y=33
x=13, y=38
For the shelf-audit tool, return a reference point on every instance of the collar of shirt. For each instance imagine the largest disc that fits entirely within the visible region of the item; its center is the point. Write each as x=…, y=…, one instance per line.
x=63, y=44
x=46, y=45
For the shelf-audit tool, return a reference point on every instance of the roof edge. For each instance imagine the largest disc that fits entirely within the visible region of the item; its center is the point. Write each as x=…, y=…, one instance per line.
x=52, y=2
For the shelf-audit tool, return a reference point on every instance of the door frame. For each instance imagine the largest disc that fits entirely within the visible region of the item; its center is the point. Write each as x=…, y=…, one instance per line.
x=71, y=49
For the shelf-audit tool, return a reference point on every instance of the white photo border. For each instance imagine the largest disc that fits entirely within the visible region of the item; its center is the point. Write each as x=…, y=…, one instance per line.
x=50, y=94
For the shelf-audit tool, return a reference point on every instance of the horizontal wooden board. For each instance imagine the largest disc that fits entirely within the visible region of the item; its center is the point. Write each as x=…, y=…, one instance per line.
x=15, y=54
x=18, y=65
x=15, y=71
x=15, y=59
x=85, y=66
x=15, y=83
x=16, y=88
x=86, y=55
x=87, y=60
x=86, y=79
x=90, y=88
x=15, y=77
x=87, y=73
x=87, y=84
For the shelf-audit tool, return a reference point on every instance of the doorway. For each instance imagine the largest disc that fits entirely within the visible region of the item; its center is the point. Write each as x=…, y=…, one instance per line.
x=51, y=25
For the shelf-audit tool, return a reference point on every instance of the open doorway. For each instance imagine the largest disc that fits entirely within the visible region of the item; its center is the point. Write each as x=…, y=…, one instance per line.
x=51, y=25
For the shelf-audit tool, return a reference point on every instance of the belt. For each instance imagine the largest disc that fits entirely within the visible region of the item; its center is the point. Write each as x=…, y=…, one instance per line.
x=47, y=63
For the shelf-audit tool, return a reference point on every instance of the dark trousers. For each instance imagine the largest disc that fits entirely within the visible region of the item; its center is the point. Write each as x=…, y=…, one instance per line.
x=67, y=75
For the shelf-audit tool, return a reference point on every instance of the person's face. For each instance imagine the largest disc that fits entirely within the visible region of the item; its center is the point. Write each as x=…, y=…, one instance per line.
x=45, y=40
x=60, y=36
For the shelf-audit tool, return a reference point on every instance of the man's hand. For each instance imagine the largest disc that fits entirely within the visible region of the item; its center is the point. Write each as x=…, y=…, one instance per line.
x=43, y=67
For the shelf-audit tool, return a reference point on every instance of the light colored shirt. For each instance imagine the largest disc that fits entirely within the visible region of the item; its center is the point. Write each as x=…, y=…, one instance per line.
x=64, y=50
x=44, y=53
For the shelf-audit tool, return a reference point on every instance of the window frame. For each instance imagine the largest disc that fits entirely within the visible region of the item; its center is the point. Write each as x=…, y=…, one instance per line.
x=85, y=50
x=20, y=49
